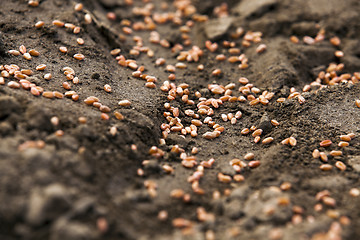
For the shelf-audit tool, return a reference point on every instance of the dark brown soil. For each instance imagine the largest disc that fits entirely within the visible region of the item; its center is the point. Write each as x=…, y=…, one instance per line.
x=60, y=191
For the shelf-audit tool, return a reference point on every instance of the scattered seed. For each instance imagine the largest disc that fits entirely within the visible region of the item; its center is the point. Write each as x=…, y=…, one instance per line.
x=88, y=18
x=39, y=24
x=34, y=53
x=354, y=192
x=104, y=116
x=47, y=76
x=261, y=48
x=345, y=138
x=357, y=103
x=124, y=103
x=285, y=186
x=27, y=56
x=326, y=167
x=224, y=178
x=343, y=144
x=58, y=23
x=107, y=88
x=254, y=164
x=335, y=41
x=267, y=140
x=13, y=84
x=78, y=7
x=325, y=143
x=14, y=52
x=316, y=153
x=249, y=156
x=323, y=156
x=48, y=94
x=340, y=165
x=79, y=56
x=292, y=141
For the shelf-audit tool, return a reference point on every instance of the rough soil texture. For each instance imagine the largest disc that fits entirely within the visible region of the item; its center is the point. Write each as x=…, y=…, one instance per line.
x=85, y=183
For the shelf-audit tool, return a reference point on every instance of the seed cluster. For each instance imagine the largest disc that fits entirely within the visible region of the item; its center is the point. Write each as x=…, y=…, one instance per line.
x=191, y=113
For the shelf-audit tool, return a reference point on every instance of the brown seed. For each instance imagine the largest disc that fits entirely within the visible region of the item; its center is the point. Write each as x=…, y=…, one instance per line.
x=80, y=41
x=346, y=138
x=76, y=30
x=329, y=201
x=351, y=135
x=47, y=76
x=58, y=23
x=41, y=67
x=261, y=48
x=274, y=122
x=326, y=167
x=238, y=178
x=34, y=53
x=292, y=141
x=334, y=214
x=340, y=165
x=79, y=56
x=224, y=178
x=316, y=153
x=249, y=156
x=257, y=132
x=22, y=49
x=66, y=85
x=335, y=41
x=294, y=39
x=88, y=18
x=34, y=91
x=339, y=54
x=39, y=24
x=343, y=144
x=104, y=116
x=107, y=88
x=58, y=95
x=162, y=215
x=14, y=52
x=245, y=131
x=335, y=153
x=323, y=156
x=150, y=85
x=118, y=115
x=78, y=7
x=27, y=56
x=285, y=186
x=216, y=72
x=82, y=120
x=90, y=100
x=124, y=103
x=254, y=164
x=48, y=94
x=177, y=193
x=325, y=143
x=13, y=84
x=357, y=103
x=267, y=140
x=354, y=192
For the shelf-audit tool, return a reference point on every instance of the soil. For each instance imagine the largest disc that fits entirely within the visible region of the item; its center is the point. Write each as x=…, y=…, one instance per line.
x=85, y=184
